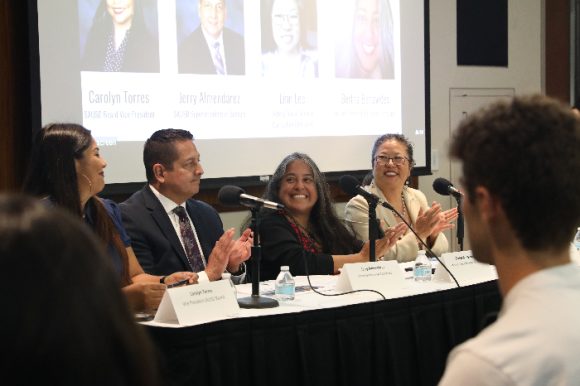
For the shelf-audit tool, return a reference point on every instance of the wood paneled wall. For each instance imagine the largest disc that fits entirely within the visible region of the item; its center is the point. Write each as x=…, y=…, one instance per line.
x=16, y=92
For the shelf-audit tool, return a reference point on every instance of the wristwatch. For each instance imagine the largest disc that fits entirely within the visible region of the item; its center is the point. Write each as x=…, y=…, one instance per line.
x=240, y=270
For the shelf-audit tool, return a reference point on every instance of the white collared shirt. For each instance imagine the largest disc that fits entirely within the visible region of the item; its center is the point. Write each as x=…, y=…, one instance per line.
x=169, y=206
x=210, y=41
x=534, y=341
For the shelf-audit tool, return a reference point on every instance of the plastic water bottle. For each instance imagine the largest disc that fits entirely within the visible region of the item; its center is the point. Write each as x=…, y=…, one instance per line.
x=422, y=270
x=577, y=240
x=285, y=284
x=228, y=276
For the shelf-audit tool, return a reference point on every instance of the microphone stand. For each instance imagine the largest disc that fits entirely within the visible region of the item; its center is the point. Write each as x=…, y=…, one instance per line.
x=389, y=206
x=373, y=231
x=459, y=222
x=255, y=300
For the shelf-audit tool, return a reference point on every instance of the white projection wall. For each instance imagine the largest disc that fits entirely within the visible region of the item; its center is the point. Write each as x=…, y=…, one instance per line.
x=266, y=107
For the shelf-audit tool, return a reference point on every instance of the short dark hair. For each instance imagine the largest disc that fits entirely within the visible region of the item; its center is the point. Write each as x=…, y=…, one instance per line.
x=392, y=137
x=526, y=152
x=160, y=149
x=72, y=311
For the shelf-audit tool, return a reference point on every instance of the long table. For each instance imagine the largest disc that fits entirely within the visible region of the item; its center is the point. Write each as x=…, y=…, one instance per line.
x=399, y=341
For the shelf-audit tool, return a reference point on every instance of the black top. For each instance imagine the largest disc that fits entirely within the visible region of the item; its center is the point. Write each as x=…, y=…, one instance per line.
x=281, y=246
x=141, y=52
x=113, y=211
x=115, y=215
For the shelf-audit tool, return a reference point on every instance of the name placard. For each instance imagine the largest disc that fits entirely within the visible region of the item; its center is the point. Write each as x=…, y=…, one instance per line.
x=196, y=303
x=382, y=276
x=465, y=268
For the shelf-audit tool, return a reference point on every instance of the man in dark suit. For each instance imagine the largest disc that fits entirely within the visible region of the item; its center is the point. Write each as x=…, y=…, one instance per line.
x=211, y=48
x=167, y=227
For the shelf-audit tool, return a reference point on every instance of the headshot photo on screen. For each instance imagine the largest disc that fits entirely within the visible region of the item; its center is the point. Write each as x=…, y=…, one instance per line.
x=364, y=42
x=289, y=39
x=122, y=36
x=210, y=37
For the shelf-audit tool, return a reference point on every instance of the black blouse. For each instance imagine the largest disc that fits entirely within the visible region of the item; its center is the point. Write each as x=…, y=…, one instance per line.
x=280, y=246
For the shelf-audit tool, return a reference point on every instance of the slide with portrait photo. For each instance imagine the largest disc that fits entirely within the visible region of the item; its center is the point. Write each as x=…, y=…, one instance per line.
x=270, y=76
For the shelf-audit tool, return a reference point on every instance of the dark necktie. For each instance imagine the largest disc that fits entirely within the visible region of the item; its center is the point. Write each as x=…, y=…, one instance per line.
x=192, y=250
x=219, y=62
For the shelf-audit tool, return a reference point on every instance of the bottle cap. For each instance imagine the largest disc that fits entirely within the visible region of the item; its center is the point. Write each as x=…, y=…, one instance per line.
x=284, y=268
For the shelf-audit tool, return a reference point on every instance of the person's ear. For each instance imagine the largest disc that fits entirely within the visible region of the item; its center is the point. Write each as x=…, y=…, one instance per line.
x=488, y=205
x=77, y=166
x=408, y=180
x=159, y=172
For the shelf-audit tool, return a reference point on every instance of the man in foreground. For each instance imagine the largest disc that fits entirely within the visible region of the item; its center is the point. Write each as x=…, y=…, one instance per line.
x=522, y=204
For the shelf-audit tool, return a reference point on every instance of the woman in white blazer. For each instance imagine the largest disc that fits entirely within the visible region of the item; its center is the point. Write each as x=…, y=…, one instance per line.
x=392, y=160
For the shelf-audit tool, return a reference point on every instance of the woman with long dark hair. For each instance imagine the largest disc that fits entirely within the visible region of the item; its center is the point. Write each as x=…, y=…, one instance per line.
x=119, y=40
x=67, y=171
x=369, y=51
x=307, y=235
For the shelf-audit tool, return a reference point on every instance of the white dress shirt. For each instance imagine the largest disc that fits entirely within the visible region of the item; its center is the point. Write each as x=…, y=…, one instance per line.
x=168, y=206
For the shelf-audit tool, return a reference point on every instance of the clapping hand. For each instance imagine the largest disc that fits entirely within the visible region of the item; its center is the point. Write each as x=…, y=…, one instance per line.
x=382, y=245
x=241, y=250
x=431, y=222
x=219, y=257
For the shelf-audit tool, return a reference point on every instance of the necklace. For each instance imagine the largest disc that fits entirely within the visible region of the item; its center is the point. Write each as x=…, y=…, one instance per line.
x=404, y=212
x=308, y=241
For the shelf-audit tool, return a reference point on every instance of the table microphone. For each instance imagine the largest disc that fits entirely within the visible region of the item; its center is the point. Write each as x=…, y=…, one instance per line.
x=446, y=188
x=234, y=195
x=349, y=185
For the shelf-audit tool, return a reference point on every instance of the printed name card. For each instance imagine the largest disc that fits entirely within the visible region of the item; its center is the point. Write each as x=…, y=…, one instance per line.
x=465, y=268
x=197, y=303
x=382, y=276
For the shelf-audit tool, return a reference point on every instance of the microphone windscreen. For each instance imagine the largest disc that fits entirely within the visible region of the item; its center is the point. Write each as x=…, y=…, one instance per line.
x=349, y=185
x=230, y=195
x=441, y=186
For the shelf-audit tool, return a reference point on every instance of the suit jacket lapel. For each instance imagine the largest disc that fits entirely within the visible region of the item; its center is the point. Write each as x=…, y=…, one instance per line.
x=164, y=223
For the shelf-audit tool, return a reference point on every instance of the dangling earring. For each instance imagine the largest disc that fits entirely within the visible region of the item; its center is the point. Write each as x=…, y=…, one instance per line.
x=90, y=183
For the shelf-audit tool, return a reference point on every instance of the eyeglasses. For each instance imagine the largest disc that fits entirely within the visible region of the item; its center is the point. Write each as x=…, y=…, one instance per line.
x=282, y=18
x=384, y=160
x=209, y=6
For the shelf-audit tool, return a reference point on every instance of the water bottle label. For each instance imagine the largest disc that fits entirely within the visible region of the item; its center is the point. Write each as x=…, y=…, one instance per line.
x=422, y=272
x=285, y=291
